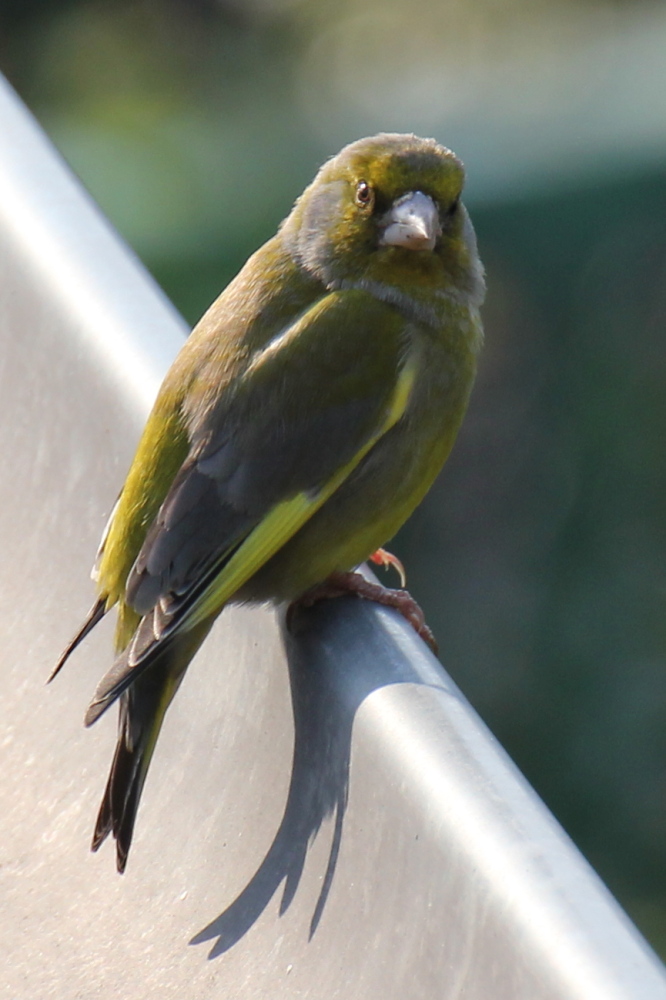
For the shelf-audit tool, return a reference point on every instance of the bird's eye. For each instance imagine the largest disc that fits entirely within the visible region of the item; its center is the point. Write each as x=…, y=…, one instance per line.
x=454, y=205
x=364, y=194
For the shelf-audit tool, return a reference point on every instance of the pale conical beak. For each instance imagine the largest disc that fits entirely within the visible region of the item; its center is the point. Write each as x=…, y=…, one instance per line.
x=412, y=222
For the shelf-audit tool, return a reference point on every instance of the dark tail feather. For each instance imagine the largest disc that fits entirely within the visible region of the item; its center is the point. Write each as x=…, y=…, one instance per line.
x=142, y=709
x=94, y=616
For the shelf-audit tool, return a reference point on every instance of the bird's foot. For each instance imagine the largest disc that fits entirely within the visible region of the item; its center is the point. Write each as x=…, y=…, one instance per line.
x=386, y=559
x=340, y=584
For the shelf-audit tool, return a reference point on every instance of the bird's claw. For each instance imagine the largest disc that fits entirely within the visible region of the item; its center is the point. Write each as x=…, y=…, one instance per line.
x=339, y=584
x=386, y=559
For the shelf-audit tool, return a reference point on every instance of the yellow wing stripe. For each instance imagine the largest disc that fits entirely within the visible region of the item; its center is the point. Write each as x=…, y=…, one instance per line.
x=287, y=517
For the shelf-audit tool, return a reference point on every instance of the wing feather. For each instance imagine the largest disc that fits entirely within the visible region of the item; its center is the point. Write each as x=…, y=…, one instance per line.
x=257, y=472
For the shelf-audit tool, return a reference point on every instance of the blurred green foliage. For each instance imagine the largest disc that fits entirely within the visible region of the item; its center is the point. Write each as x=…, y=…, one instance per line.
x=540, y=554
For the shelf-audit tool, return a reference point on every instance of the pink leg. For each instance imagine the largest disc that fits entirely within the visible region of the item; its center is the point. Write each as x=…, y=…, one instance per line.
x=339, y=584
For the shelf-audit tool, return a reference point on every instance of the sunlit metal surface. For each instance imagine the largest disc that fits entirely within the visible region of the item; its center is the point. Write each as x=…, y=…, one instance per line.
x=326, y=816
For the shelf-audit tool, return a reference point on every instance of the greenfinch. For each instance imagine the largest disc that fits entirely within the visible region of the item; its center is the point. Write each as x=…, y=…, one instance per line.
x=300, y=425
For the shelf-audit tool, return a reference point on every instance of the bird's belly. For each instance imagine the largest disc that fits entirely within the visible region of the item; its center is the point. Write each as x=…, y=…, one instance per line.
x=369, y=507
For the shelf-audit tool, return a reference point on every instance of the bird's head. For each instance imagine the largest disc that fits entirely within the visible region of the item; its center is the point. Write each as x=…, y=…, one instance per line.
x=388, y=209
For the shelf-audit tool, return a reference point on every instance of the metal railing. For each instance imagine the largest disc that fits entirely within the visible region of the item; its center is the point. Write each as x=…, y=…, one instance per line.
x=326, y=816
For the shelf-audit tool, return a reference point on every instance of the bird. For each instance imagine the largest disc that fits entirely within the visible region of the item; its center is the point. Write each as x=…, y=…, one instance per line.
x=301, y=423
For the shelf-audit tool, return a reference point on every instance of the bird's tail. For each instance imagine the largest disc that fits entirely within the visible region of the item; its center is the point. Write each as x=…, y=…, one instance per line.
x=142, y=709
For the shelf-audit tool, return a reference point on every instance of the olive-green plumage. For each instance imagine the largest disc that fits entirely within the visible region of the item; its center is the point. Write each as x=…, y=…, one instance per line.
x=304, y=419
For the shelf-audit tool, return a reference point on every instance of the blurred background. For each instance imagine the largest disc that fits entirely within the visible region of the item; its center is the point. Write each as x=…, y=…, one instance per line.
x=540, y=555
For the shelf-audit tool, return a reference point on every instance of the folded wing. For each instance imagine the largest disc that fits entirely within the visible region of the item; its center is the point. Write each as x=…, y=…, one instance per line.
x=279, y=443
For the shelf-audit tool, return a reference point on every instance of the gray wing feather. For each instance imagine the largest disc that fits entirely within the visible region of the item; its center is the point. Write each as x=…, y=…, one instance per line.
x=287, y=428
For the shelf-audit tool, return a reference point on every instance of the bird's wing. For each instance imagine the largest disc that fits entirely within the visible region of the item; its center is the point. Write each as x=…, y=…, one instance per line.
x=309, y=408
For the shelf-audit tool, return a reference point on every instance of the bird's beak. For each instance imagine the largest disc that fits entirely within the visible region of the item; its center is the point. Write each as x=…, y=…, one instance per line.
x=412, y=221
